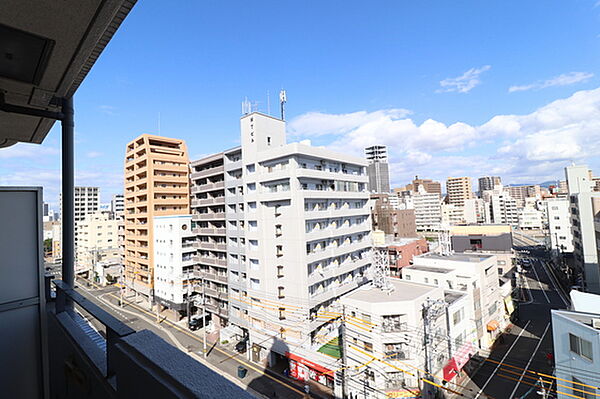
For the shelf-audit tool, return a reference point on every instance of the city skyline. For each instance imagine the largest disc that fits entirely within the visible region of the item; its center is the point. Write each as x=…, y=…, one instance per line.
x=444, y=106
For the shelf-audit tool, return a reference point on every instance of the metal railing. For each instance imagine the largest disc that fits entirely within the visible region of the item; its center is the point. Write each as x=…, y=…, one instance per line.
x=115, y=329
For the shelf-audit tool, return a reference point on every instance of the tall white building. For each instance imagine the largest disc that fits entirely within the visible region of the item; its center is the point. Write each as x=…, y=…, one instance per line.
x=87, y=201
x=559, y=225
x=452, y=214
x=174, y=248
x=503, y=209
x=474, y=211
x=584, y=205
x=428, y=210
x=298, y=237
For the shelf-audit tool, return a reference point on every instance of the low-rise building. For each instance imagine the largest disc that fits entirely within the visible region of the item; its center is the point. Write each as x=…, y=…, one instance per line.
x=96, y=241
x=474, y=274
x=388, y=218
x=401, y=252
x=453, y=214
x=576, y=340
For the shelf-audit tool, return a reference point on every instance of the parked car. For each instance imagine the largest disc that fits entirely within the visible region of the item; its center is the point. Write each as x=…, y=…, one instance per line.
x=241, y=346
x=195, y=323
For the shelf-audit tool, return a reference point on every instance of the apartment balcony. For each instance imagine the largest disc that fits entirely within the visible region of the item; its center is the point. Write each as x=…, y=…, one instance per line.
x=233, y=165
x=330, y=252
x=218, y=231
x=207, y=187
x=207, y=172
x=316, y=234
x=332, y=271
x=326, y=175
x=210, y=216
x=208, y=201
x=336, y=213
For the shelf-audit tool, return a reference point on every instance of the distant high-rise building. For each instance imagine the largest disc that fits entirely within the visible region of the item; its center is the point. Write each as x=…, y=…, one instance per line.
x=45, y=210
x=458, y=190
x=117, y=204
x=428, y=185
x=87, y=201
x=378, y=169
x=488, y=183
x=398, y=223
x=156, y=184
x=521, y=193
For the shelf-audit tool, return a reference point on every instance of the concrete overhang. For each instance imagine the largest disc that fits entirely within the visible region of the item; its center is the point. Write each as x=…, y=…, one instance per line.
x=46, y=50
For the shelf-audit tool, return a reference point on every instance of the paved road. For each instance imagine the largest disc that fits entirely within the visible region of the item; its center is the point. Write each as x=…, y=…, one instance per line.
x=221, y=360
x=506, y=373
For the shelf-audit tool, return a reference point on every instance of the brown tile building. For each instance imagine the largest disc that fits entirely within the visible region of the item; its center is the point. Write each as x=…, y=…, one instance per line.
x=395, y=222
x=402, y=251
x=156, y=184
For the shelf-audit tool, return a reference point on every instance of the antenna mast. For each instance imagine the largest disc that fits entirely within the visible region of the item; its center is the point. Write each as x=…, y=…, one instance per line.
x=282, y=101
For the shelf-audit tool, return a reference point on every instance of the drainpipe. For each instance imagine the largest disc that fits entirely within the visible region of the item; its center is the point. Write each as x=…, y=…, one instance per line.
x=68, y=181
x=68, y=194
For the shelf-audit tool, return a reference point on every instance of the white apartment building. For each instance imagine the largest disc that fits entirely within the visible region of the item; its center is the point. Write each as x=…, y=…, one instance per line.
x=97, y=241
x=174, y=248
x=117, y=205
x=576, y=339
x=474, y=211
x=87, y=201
x=452, y=214
x=503, y=209
x=298, y=237
x=389, y=324
x=530, y=217
x=583, y=209
x=474, y=274
x=559, y=225
x=428, y=210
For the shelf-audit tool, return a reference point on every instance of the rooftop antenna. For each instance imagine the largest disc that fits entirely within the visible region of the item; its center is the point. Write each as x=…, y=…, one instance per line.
x=268, y=104
x=282, y=101
x=246, y=106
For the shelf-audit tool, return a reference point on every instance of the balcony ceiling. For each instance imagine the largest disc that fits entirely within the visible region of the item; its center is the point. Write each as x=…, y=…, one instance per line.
x=46, y=50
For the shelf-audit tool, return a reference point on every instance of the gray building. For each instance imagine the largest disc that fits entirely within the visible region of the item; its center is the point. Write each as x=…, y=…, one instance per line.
x=378, y=169
x=488, y=183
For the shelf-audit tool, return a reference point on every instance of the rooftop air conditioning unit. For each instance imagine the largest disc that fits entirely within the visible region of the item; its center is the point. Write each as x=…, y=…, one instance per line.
x=596, y=323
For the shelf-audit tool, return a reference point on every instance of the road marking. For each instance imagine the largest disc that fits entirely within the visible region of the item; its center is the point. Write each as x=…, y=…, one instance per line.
x=262, y=372
x=498, y=366
x=529, y=362
x=539, y=282
x=550, y=275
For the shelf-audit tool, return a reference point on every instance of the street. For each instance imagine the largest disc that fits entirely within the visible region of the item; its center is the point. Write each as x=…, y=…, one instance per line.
x=508, y=372
x=263, y=383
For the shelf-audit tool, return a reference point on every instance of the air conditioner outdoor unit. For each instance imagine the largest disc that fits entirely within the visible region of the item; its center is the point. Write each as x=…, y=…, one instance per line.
x=596, y=323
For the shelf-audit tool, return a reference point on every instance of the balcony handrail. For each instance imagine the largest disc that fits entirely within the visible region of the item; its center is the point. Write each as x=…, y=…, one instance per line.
x=115, y=329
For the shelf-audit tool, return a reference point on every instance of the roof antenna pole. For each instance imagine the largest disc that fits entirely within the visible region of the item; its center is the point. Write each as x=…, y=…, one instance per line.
x=282, y=101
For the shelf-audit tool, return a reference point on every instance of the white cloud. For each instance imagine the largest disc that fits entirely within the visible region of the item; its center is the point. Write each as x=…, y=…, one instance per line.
x=25, y=150
x=464, y=83
x=94, y=154
x=108, y=109
x=561, y=80
x=520, y=148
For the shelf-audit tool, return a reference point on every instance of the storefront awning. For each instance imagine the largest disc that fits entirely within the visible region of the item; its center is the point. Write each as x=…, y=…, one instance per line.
x=493, y=325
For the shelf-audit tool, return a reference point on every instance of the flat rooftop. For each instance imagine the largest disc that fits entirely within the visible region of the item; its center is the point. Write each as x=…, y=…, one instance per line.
x=580, y=317
x=457, y=257
x=424, y=268
x=403, y=291
x=452, y=296
x=400, y=241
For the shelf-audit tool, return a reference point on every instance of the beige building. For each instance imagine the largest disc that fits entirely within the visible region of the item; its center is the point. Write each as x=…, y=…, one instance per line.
x=458, y=190
x=156, y=184
x=97, y=241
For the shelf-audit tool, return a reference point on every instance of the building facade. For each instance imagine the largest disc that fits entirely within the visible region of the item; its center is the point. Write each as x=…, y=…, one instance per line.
x=559, y=225
x=402, y=251
x=458, y=190
x=174, y=277
x=97, y=241
x=488, y=183
x=87, y=201
x=156, y=184
x=428, y=211
x=378, y=169
x=391, y=220
x=117, y=204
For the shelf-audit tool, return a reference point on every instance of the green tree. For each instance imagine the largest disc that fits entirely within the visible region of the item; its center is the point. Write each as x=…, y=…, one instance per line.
x=47, y=245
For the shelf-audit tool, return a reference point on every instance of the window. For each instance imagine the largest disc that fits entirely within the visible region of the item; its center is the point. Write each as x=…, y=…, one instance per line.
x=578, y=387
x=407, y=278
x=280, y=293
x=580, y=346
x=458, y=316
x=368, y=346
x=268, y=140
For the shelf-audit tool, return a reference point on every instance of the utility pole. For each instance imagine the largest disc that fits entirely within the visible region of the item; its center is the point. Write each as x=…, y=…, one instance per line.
x=425, y=315
x=203, y=319
x=122, y=287
x=344, y=354
x=431, y=310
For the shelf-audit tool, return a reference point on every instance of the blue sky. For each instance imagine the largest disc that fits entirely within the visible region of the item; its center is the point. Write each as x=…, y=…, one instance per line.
x=453, y=88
